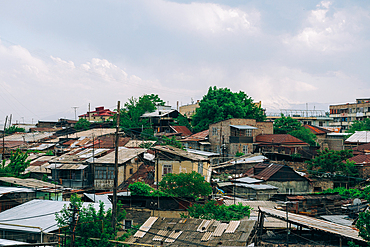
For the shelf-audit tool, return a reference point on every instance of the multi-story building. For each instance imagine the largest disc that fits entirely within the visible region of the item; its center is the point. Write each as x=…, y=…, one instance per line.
x=344, y=114
x=317, y=118
x=236, y=135
x=100, y=114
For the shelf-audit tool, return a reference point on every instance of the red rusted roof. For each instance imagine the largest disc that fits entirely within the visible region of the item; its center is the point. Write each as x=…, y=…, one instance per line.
x=270, y=170
x=200, y=136
x=182, y=129
x=364, y=148
x=103, y=114
x=282, y=139
x=11, y=144
x=316, y=130
x=361, y=159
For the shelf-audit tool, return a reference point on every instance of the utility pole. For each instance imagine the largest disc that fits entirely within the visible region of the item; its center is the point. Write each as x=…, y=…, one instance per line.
x=6, y=119
x=114, y=211
x=88, y=113
x=73, y=223
x=75, y=107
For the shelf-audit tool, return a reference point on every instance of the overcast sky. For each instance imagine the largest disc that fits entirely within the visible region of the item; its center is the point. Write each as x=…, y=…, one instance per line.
x=55, y=55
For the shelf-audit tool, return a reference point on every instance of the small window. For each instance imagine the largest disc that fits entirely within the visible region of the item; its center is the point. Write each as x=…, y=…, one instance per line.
x=131, y=170
x=321, y=123
x=200, y=168
x=245, y=149
x=167, y=169
x=214, y=131
x=289, y=191
x=128, y=224
x=248, y=132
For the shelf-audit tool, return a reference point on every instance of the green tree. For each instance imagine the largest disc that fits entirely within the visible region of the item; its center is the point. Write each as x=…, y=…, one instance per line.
x=185, y=185
x=82, y=124
x=291, y=126
x=91, y=223
x=17, y=165
x=171, y=142
x=140, y=189
x=359, y=126
x=285, y=125
x=363, y=225
x=330, y=161
x=220, y=104
x=182, y=121
x=212, y=210
x=130, y=115
x=12, y=129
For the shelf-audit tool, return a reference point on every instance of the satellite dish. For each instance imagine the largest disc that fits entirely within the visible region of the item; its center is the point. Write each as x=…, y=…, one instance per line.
x=356, y=201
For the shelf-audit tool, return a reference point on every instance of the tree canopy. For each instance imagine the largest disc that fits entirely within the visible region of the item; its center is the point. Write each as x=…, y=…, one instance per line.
x=359, y=126
x=91, y=223
x=17, y=165
x=12, y=129
x=220, y=104
x=82, y=124
x=130, y=115
x=291, y=126
x=212, y=210
x=185, y=185
x=331, y=161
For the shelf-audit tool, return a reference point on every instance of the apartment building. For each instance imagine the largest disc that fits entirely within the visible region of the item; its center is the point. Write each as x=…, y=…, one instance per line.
x=344, y=114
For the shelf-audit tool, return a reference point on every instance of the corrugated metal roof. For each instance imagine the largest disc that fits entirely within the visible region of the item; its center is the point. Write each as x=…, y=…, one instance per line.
x=220, y=229
x=248, y=180
x=359, y=137
x=313, y=223
x=157, y=113
x=173, y=236
x=124, y=155
x=233, y=225
x=243, y=127
x=206, y=236
x=7, y=242
x=338, y=219
x=282, y=139
x=200, y=136
x=31, y=183
x=28, y=137
x=200, y=152
x=43, y=146
x=160, y=235
x=66, y=166
x=182, y=129
x=270, y=170
x=35, y=208
x=6, y=190
x=204, y=225
x=145, y=227
x=99, y=198
x=181, y=153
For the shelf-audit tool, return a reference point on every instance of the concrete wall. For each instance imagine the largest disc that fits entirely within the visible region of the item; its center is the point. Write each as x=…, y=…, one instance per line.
x=182, y=166
x=140, y=215
x=223, y=134
x=295, y=186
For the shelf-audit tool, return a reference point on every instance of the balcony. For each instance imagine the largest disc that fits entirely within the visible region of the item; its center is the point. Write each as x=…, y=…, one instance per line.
x=241, y=139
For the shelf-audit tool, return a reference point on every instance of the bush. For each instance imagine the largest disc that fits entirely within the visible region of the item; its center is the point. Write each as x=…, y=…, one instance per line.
x=211, y=210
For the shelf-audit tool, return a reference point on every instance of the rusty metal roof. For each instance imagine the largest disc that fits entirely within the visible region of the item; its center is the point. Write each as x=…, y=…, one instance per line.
x=181, y=153
x=200, y=136
x=182, y=129
x=279, y=139
x=269, y=171
x=313, y=223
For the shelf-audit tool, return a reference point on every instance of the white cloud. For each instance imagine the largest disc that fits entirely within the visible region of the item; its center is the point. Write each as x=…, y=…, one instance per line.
x=328, y=29
x=52, y=85
x=204, y=18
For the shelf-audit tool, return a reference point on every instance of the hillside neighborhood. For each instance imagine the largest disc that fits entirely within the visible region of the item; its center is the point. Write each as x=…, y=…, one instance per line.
x=221, y=171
